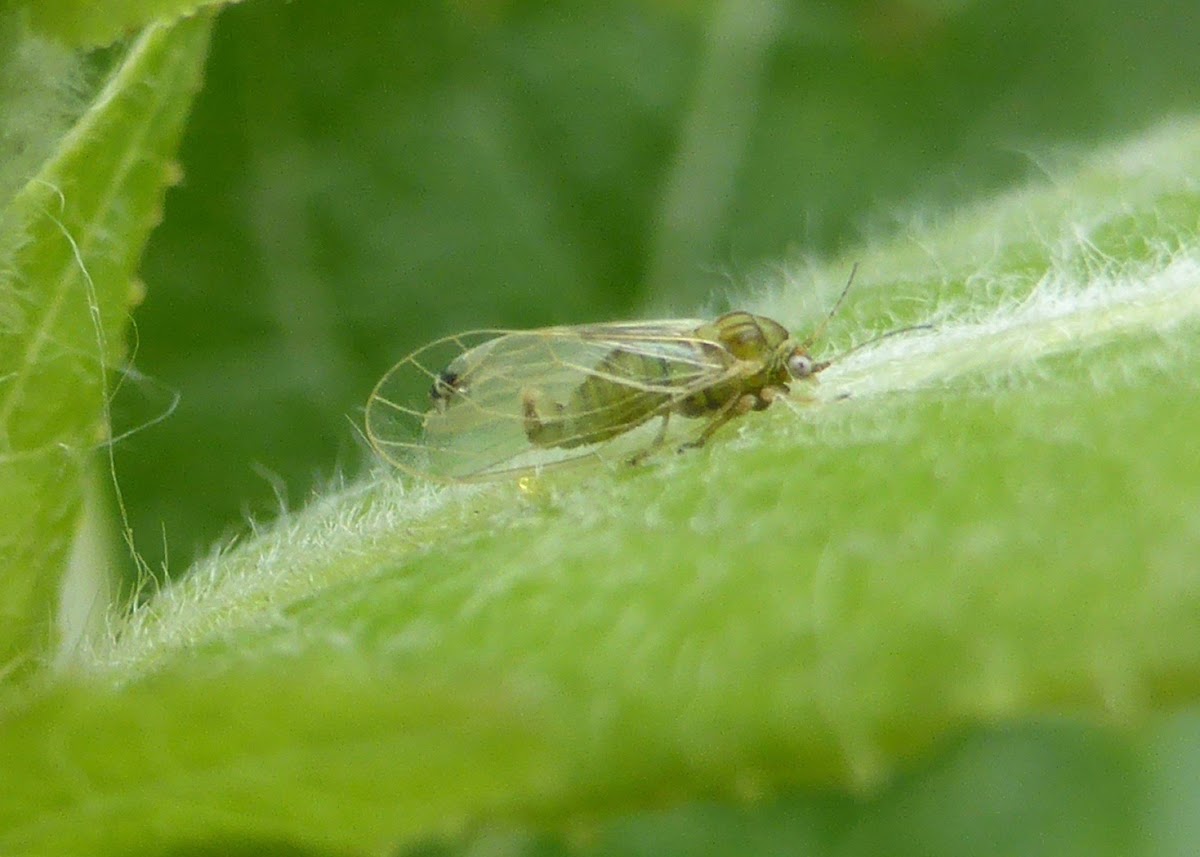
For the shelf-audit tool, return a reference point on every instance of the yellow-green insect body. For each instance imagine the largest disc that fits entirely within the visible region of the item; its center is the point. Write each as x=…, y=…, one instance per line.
x=744, y=355
x=498, y=402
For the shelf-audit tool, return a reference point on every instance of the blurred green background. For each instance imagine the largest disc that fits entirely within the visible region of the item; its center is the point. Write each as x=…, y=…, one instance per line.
x=362, y=177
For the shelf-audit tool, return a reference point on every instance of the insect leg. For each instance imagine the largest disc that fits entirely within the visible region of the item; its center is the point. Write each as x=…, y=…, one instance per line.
x=735, y=407
x=769, y=394
x=639, y=457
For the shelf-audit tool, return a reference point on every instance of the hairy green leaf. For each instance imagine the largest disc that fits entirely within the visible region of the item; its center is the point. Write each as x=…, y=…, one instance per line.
x=72, y=239
x=85, y=23
x=991, y=520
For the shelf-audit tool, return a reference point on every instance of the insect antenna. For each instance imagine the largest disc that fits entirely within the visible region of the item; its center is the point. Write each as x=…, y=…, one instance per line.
x=816, y=334
x=837, y=305
x=874, y=339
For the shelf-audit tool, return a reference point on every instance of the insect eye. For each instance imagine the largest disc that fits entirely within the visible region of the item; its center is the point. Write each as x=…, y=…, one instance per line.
x=800, y=365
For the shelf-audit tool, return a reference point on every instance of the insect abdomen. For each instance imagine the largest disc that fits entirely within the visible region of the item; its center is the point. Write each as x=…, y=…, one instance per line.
x=623, y=391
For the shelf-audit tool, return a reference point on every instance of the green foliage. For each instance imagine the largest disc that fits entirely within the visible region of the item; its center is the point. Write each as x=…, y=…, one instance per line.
x=946, y=606
x=363, y=180
x=88, y=23
x=72, y=240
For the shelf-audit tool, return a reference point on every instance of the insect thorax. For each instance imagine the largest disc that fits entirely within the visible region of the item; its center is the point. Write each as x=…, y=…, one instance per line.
x=748, y=337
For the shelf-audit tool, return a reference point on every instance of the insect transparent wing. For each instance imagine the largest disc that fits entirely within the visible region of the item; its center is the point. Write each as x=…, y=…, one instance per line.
x=458, y=408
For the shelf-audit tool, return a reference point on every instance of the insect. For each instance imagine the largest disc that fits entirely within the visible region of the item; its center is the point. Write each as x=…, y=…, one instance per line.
x=502, y=402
